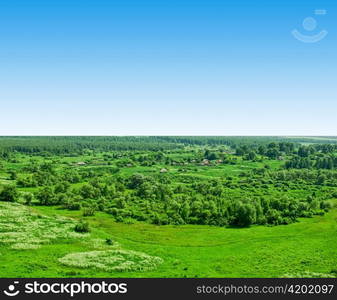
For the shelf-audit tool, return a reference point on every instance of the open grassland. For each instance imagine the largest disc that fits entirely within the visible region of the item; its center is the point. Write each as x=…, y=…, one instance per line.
x=168, y=207
x=305, y=248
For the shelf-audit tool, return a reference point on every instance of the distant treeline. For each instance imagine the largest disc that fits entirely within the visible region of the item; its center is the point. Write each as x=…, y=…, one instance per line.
x=232, y=141
x=74, y=145
x=77, y=144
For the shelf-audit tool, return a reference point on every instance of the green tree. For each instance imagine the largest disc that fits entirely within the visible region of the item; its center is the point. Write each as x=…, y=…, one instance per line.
x=9, y=193
x=251, y=155
x=28, y=197
x=46, y=196
x=246, y=214
x=321, y=179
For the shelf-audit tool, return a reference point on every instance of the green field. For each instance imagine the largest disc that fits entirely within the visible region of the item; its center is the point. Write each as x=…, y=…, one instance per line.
x=306, y=248
x=166, y=208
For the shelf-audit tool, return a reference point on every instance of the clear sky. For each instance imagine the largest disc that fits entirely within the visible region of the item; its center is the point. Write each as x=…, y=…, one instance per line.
x=105, y=67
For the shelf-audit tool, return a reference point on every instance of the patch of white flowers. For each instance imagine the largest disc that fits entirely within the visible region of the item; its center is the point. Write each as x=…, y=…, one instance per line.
x=22, y=229
x=308, y=274
x=112, y=260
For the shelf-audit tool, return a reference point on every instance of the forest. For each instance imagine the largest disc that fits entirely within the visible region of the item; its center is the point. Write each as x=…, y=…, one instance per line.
x=222, y=182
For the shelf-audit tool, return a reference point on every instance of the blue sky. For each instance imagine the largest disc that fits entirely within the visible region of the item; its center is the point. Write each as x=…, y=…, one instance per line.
x=166, y=67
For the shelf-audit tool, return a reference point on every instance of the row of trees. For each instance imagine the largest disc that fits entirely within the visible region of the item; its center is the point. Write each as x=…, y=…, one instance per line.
x=327, y=162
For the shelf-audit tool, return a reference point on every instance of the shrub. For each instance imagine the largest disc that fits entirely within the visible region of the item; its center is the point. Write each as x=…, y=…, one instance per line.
x=46, y=196
x=109, y=242
x=82, y=227
x=246, y=215
x=325, y=205
x=8, y=193
x=28, y=197
x=273, y=217
x=73, y=205
x=88, y=212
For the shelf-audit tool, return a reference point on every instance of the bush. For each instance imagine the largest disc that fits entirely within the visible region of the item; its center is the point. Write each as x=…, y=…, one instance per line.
x=73, y=205
x=159, y=219
x=82, y=227
x=88, y=212
x=325, y=205
x=273, y=217
x=46, y=196
x=109, y=242
x=28, y=197
x=9, y=193
x=245, y=215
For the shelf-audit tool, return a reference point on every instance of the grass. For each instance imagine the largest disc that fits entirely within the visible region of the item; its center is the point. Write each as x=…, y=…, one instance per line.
x=40, y=241
x=296, y=250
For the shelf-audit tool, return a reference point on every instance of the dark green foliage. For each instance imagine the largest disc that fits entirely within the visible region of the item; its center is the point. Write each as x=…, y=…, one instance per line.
x=12, y=175
x=8, y=193
x=88, y=212
x=28, y=197
x=211, y=155
x=245, y=215
x=109, y=241
x=73, y=205
x=82, y=227
x=46, y=196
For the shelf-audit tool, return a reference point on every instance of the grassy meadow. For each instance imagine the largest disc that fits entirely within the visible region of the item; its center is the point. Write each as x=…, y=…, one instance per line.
x=188, y=209
x=306, y=248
